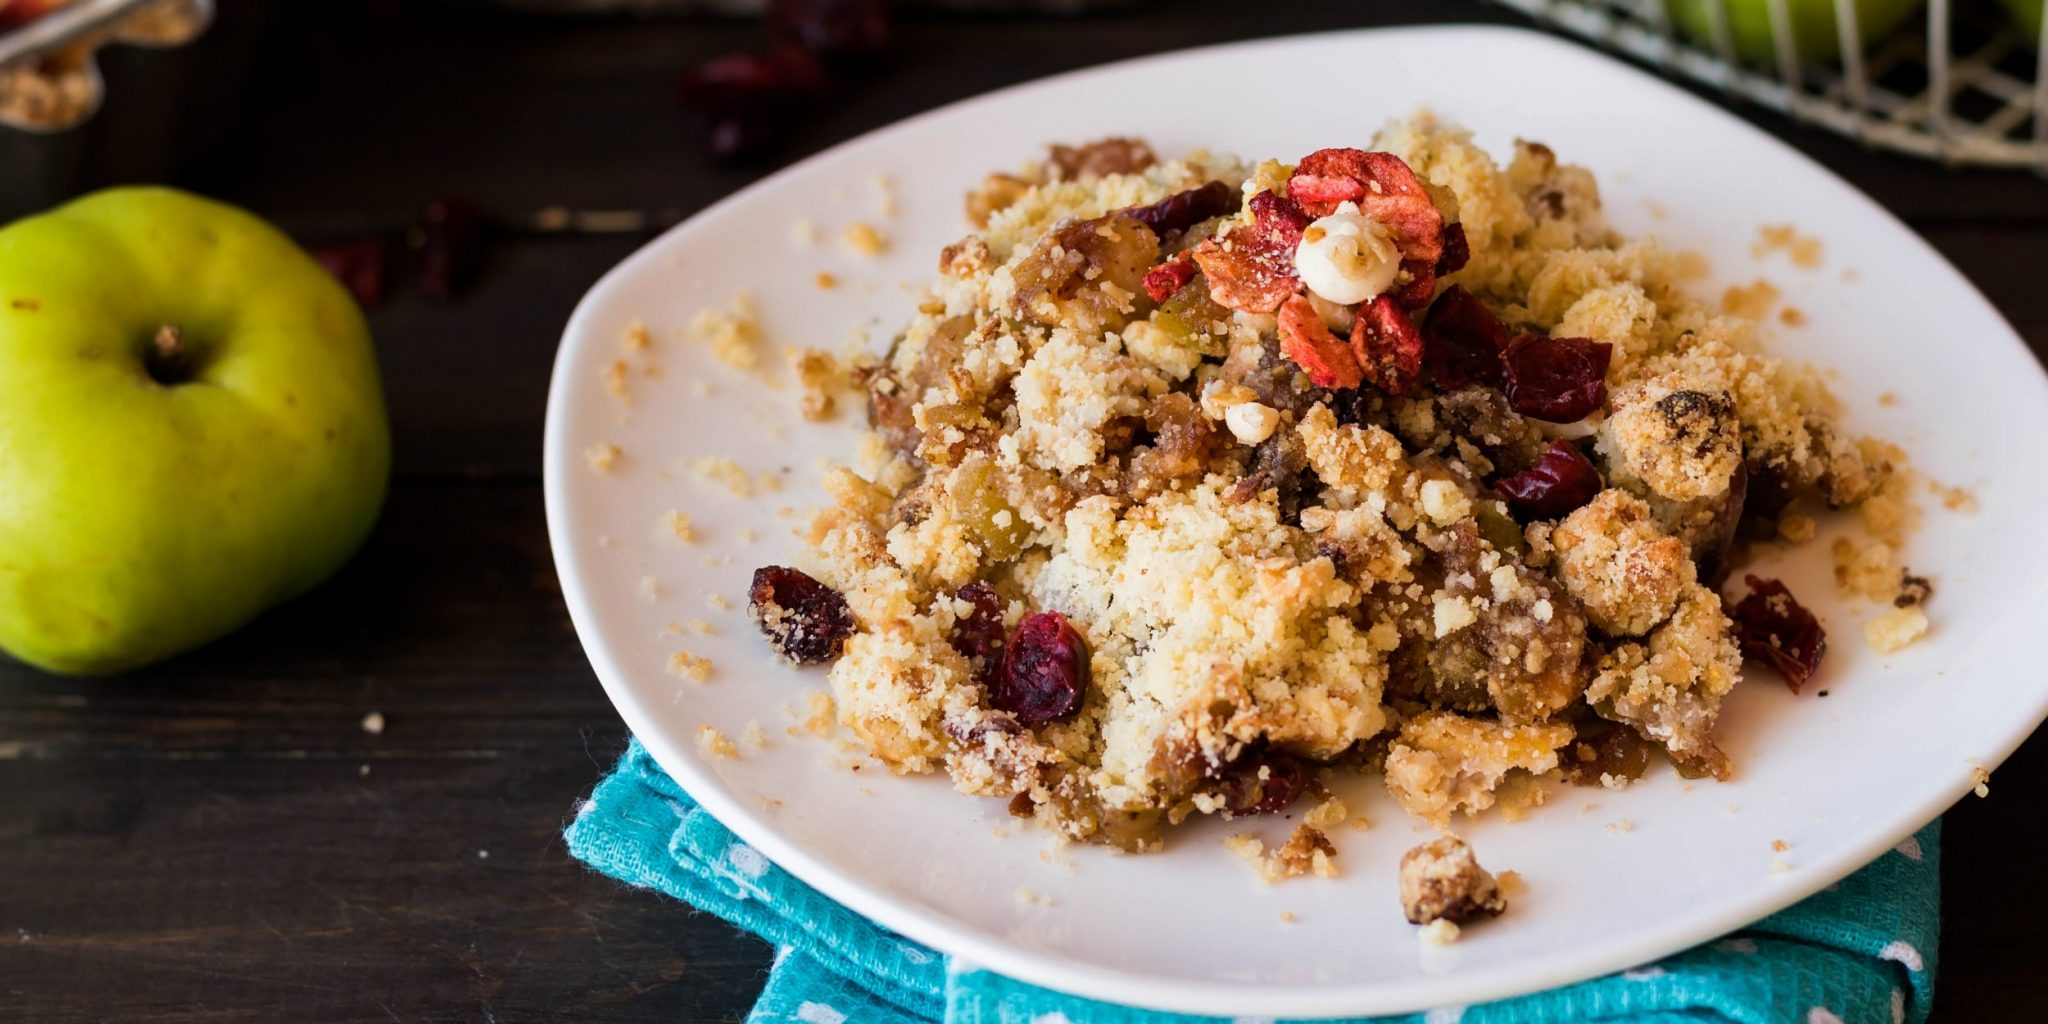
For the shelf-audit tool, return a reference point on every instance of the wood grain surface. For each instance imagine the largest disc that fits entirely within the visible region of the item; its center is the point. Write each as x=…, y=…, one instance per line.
x=220, y=839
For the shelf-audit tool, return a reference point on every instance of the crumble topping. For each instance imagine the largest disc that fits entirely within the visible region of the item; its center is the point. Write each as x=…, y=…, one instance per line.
x=1192, y=478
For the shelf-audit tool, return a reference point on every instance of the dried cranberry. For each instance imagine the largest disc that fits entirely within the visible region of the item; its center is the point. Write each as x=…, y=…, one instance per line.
x=978, y=635
x=754, y=81
x=1169, y=277
x=1560, y=481
x=751, y=98
x=1310, y=343
x=1558, y=380
x=451, y=232
x=1183, y=210
x=358, y=265
x=1045, y=670
x=843, y=30
x=1388, y=345
x=1263, y=781
x=1463, y=341
x=807, y=621
x=1252, y=270
x=1775, y=628
x=21, y=12
x=1457, y=251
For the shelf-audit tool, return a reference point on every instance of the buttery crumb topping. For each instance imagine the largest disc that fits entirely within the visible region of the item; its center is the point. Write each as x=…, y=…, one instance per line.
x=1192, y=478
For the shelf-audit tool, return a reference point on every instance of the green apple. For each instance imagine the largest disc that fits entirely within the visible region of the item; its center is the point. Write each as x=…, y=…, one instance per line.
x=2027, y=15
x=1813, y=24
x=191, y=427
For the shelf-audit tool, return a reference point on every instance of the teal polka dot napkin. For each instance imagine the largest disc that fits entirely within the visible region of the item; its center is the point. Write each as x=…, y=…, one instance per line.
x=1861, y=952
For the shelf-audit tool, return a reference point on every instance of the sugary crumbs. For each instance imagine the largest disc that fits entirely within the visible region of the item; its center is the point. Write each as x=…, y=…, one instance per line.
x=636, y=337
x=693, y=667
x=715, y=743
x=603, y=457
x=734, y=334
x=1192, y=478
x=864, y=239
x=677, y=525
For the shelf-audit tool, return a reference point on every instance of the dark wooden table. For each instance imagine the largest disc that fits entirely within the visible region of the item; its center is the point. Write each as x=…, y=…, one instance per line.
x=219, y=839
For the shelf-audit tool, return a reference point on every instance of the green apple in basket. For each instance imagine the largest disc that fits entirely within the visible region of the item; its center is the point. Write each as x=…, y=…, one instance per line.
x=191, y=427
x=1814, y=31
x=2027, y=15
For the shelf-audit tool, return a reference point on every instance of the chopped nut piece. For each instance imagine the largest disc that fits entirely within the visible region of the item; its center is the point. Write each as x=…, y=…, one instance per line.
x=1442, y=881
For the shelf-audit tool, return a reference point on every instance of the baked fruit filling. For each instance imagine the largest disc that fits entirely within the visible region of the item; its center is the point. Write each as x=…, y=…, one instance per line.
x=1191, y=478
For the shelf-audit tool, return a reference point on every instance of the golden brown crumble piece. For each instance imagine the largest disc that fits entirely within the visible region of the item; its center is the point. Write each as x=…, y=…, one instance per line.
x=1626, y=572
x=1442, y=881
x=998, y=192
x=636, y=337
x=715, y=743
x=819, y=374
x=1669, y=687
x=1680, y=439
x=603, y=457
x=690, y=666
x=734, y=334
x=1442, y=762
x=864, y=239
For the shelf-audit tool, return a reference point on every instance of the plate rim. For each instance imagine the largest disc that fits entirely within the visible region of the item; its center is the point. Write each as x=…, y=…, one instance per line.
x=943, y=933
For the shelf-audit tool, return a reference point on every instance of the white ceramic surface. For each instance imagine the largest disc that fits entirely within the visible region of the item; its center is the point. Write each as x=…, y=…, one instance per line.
x=1839, y=779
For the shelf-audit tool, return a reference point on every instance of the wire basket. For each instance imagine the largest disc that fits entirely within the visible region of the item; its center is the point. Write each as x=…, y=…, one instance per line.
x=1963, y=86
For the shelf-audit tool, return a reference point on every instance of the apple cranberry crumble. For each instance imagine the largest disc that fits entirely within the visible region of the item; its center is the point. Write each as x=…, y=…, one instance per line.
x=1194, y=478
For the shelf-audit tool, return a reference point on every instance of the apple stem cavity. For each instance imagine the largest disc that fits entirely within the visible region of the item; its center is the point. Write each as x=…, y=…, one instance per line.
x=168, y=362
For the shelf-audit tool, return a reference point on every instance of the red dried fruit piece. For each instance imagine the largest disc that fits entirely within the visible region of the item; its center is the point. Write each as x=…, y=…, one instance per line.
x=451, y=245
x=1388, y=345
x=1463, y=341
x=978, y=636
x=1457, y=251
x=843, y=30
x=1558, y=380
x=1560, y=481
x=752, y=98
x=1310, y=343
x=735, y=82
x=1385, y=189
x=21, y=12
x=1775, y=628
x=807, y=621
x=1183, y=210
x=1252, y=269
x=1169, y=277
x=358, y=265
x=1262, y=781
x=1045, y=670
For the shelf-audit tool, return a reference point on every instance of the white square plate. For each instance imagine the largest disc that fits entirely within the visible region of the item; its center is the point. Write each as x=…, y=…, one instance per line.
x=1838, y=779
